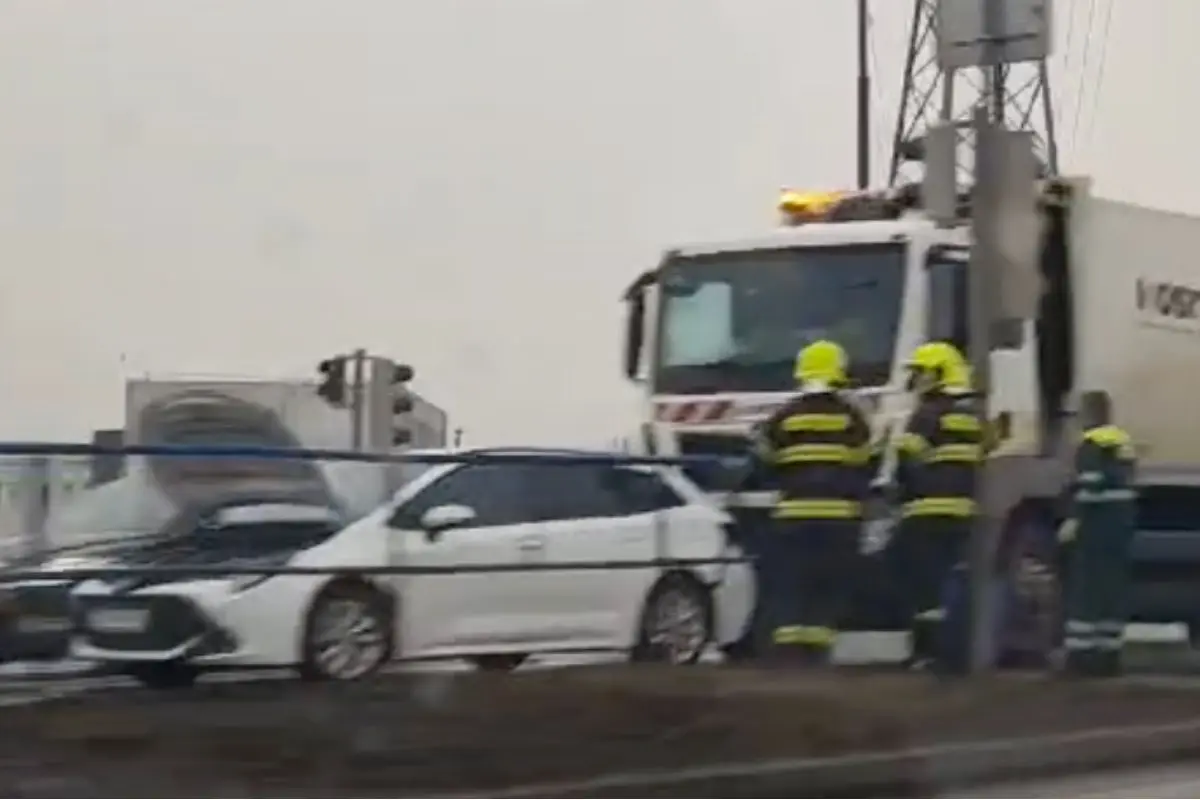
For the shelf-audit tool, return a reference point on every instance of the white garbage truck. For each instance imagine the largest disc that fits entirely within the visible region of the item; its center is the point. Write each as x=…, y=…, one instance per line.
x=714, y=328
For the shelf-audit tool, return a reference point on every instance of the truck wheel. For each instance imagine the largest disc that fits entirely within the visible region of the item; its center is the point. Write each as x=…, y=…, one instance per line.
x=1029, y=631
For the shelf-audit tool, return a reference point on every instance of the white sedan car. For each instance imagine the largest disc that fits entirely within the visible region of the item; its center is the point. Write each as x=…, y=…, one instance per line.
x=345, y=624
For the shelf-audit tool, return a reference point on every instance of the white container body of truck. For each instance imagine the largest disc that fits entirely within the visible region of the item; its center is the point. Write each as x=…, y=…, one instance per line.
x=1137, y=305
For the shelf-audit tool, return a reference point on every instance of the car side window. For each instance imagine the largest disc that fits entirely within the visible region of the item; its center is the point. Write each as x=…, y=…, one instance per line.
x=643, y=492
x=577, y=491
x=596, y=490
x=496, y=492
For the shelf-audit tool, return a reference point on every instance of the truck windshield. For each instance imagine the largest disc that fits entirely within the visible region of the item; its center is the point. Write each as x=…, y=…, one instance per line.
x=734, y=321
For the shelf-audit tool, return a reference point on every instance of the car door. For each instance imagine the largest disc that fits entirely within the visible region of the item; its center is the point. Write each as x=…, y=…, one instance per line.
x=468, y=611
x=598, y=513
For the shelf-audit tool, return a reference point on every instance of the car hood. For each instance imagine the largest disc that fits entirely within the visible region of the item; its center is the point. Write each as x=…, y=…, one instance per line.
x=201, y=549
x=179, y=554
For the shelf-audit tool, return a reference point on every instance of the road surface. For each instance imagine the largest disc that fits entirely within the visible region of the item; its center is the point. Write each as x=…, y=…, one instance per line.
x=25, y=683
x=1149, y=783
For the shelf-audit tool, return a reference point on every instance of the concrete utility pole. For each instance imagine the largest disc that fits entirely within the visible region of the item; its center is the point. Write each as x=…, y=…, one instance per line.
x=1003, y=279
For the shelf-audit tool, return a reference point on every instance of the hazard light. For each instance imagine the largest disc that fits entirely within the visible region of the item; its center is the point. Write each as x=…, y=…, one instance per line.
x=798, y=208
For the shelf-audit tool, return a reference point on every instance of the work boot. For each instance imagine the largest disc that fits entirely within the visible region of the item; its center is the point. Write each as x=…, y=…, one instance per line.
x=798, y=656
x=816, y=655
x=1081, y=664
x=1107, y=664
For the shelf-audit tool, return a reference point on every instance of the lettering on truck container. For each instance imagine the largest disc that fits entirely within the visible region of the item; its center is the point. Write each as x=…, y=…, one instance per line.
x=1171, y=302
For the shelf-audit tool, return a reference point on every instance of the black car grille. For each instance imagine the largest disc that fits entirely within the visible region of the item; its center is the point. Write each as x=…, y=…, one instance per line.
x=171, y=622
x=717, y=477
x=36, y=621
x=43, y=600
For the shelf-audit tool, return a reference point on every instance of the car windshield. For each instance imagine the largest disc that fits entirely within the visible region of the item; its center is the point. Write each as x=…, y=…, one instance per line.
x=734, y=321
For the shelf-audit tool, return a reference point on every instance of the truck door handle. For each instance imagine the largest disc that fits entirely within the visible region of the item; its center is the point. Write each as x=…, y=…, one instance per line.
x=531, y=544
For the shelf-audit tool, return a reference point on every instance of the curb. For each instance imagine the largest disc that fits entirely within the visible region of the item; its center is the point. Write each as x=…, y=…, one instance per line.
x=911, y=773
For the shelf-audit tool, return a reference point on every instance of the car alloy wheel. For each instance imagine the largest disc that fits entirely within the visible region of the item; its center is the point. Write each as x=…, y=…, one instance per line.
x=676, y=626
x=348, y=637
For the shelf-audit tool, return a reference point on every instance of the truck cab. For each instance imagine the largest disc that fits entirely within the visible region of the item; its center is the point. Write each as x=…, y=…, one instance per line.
x=713, y=330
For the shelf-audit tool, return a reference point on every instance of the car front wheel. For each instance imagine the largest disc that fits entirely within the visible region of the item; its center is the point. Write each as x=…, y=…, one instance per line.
x=348, y=634
x=676, y=624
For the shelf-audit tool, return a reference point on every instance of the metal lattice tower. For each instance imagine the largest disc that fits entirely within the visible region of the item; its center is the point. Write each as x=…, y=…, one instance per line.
x=1020, y=96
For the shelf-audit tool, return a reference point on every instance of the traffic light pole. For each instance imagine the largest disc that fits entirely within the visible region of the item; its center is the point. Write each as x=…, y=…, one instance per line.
x=358, y=409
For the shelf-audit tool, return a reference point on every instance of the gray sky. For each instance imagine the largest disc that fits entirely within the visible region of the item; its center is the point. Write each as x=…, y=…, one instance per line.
x=241, y=187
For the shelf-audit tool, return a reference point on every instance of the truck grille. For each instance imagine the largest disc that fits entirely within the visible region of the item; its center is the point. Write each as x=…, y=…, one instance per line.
x=717, y=477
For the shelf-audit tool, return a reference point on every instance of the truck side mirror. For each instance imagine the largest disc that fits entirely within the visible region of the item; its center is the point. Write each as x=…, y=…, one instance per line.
x=635, y=317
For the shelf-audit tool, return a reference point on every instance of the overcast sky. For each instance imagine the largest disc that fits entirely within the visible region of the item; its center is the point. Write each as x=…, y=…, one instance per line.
x=242, y=187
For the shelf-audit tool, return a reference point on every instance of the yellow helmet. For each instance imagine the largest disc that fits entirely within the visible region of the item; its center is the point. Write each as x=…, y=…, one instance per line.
x=957, y=376
x=939, y=365
x=822, y=361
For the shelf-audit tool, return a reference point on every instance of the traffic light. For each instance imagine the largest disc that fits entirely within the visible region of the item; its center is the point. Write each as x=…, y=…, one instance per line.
x=333, y=381
x=402, y=404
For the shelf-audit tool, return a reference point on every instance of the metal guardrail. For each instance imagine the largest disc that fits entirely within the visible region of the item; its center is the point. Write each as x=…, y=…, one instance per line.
x=499, y=455
x=207, y=571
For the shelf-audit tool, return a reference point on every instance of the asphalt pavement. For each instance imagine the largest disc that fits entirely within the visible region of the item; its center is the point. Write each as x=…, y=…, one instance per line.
x=31, y=682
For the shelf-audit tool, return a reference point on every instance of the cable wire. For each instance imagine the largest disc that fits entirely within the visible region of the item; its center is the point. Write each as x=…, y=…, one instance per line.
x=1082, y=72
x=879, y=132
x=1098, y=83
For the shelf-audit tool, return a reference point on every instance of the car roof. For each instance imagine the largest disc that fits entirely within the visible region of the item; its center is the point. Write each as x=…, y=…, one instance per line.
x=467, y=452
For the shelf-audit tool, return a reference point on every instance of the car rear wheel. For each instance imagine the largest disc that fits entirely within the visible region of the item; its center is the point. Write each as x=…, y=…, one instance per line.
x=348, y=634
x=164, y=675
x=677, y=622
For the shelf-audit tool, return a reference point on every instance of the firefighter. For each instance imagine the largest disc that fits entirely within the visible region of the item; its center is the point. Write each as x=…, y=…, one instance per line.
x=939, y=455
x=1098, y=532
x=818, y=446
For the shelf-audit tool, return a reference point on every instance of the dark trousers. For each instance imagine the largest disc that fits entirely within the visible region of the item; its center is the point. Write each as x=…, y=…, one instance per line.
x=807, y=573
x=1097, y=593
x=924, y=551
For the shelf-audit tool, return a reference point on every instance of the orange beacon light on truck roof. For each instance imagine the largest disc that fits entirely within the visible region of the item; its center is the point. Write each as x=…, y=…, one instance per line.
x=797, y=208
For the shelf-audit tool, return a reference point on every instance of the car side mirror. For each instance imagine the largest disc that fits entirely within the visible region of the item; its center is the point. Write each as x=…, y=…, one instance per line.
x=440, y=519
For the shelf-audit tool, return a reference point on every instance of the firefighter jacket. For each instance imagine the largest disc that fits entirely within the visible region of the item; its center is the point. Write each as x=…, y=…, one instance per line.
x=1101, y=497
x=940, y=453
x=819, y=447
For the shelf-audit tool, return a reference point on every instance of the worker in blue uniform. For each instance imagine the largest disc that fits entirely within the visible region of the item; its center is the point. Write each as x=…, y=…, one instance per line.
x=818, y=445
x=939, y=455
x=1097, y=535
